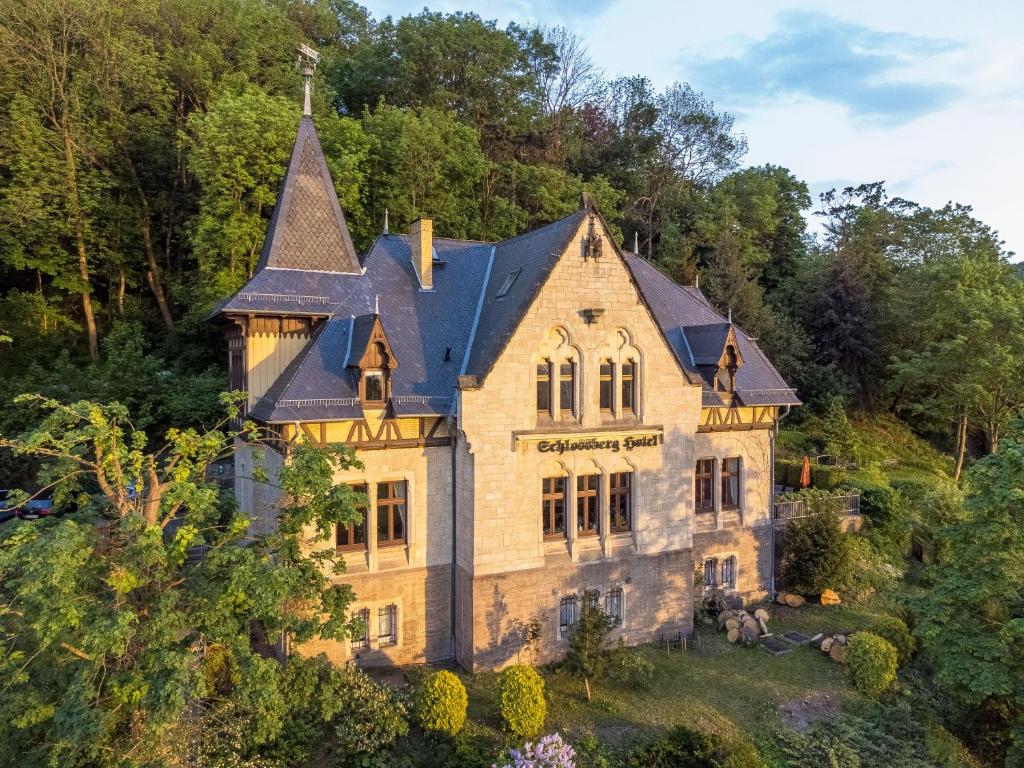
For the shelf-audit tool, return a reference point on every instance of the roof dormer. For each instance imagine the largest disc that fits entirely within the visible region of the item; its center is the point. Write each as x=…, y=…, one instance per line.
x=372, y=355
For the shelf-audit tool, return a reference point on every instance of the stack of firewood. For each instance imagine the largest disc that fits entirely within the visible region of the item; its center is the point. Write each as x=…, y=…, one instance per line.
x=834, y=645
x=741, y=626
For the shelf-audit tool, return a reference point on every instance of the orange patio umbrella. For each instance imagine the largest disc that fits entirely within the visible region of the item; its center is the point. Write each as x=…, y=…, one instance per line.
x=805, y=473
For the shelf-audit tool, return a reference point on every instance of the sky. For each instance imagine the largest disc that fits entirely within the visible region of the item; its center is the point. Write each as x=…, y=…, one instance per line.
x=925, y=95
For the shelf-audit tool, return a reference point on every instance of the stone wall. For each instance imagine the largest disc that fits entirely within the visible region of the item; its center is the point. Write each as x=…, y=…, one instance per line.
x=657, y=601
x=752, y=548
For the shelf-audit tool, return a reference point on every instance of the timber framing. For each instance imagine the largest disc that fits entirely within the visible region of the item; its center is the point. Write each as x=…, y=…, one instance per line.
x=736, y=418
x=364, y=435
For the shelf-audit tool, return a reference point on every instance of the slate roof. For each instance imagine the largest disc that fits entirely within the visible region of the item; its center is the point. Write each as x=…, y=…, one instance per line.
x=696, y=333
x=459, y=328
x=307, y=229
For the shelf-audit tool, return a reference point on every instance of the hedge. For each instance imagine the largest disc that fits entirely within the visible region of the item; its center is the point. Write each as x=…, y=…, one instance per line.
x=822, y=476
x=896, y=632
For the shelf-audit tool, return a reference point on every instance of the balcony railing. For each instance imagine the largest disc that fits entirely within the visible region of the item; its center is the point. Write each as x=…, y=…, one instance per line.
x=848, y=504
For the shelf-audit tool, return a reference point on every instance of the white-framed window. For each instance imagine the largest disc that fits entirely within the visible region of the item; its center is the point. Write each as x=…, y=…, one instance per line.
x=613, y=604
x=387, y=625
x=568, y=614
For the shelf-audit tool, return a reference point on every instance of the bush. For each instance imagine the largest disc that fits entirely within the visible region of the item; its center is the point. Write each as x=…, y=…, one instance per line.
x=632, y=668
x=686, y=748
x=872, y=662
x=521, y=700
x=441, y=703
x=370, y=718
x=896, y=632
x=815, y=552
x=826, y=477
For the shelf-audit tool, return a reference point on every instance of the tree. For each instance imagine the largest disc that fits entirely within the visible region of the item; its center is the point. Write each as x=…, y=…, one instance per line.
x=589, y=651
x=120, y=642
x=970, y=621
x=815, y=551
x=80, y=65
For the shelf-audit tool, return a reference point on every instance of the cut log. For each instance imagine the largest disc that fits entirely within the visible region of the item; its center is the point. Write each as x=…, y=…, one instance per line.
x=732, y=624
x=750, y=636
x=838, y=653
x=795, y=601
x=826, y=645
x=763, y=625
x=722, y=618
x=732, y=635
x=830, y=597
x=780, y=598
x=762, y=615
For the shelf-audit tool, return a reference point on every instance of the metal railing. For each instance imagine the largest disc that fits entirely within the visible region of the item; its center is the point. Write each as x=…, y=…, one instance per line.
x=848, y=504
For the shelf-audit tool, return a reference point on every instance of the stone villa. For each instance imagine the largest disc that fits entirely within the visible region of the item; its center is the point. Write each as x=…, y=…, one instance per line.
x=543, y=421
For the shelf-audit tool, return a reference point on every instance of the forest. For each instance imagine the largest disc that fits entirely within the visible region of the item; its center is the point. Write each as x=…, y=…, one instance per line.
x=143, y=144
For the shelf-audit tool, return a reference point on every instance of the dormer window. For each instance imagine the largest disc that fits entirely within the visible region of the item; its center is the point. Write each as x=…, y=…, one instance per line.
x=376, y=362
x=727, y=372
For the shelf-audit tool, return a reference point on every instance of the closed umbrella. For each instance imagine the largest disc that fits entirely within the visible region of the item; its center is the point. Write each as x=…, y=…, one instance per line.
x=805, y=473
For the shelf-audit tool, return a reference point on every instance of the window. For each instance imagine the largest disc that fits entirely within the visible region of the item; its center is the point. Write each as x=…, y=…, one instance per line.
x=567, y=389
x=363, y=640
x=353, y=535
x=607, y=385
x=704, y=486
x=729, y=572
x=373, y=386
x=391, y=508
x=507, y=283
x=613, y=604
x=568, y=614
x=628, y=387
x=620, y=501
x=586, y=504
x=711, y=572
x=730, y=483
x=592, y=599
x=544, y=387
x=387, y=625
x=727, y=374
x=553, y=507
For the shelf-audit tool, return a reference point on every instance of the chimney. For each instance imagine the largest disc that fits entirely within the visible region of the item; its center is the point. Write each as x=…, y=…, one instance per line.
x=422, y=244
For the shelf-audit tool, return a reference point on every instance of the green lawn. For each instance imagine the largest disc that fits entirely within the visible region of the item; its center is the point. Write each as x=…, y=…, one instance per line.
x=717, y=686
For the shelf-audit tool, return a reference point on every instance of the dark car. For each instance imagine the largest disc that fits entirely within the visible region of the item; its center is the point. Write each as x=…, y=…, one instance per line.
x=33, y=509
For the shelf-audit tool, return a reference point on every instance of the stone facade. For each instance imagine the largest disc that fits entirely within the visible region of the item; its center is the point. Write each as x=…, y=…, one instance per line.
x=489, y=481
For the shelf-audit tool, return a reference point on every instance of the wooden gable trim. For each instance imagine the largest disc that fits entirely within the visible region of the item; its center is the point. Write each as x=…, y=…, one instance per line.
x=377, y=335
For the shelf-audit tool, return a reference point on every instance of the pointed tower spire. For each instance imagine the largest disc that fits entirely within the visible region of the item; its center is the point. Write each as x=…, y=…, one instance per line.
x=386, y=221
x=730, y=315
x=376, y=304
x=308, y=230
x=636, y=243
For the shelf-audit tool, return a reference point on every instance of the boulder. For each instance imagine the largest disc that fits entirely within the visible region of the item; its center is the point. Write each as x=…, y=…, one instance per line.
x=795, y=601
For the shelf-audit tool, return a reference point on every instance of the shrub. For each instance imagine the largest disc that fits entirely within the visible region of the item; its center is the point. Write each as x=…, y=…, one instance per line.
x=896, y=632
x=686, y=748
x=549, y=752
x=370, y=718
x=441, y=703
x=827, y=477
x=815, y=552
x=632, y=668
x=521, y=700
x=872, y=662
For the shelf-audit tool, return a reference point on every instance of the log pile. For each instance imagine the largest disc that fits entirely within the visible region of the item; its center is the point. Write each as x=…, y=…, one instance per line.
x=741, y=626
x=834, y=646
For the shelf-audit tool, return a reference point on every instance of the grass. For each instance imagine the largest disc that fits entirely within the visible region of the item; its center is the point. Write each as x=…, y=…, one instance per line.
x=719, y=687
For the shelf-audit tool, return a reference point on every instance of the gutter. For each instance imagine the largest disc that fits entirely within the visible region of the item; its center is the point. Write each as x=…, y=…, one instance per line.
x=771, y=491
x=453, y=431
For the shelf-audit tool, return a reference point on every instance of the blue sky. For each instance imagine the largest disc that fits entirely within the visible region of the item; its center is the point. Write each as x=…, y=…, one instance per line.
x=928, y=96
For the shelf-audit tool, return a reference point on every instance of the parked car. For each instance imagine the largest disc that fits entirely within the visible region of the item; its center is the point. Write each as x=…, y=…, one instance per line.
x=33, y=509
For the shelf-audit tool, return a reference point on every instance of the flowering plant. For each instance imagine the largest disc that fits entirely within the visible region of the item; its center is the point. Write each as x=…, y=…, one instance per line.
x=549, y=752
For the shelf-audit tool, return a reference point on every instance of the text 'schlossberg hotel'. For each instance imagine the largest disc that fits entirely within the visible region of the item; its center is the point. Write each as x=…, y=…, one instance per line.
x=542, y=421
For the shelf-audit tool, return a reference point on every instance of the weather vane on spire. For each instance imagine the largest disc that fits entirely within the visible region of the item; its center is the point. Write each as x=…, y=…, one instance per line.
x=308, y=59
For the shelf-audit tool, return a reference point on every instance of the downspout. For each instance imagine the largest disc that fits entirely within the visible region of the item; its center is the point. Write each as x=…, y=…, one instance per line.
x=771, y=491
x=453, y=431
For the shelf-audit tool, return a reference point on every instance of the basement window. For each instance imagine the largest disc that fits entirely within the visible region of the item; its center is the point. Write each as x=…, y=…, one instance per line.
x=507, y=283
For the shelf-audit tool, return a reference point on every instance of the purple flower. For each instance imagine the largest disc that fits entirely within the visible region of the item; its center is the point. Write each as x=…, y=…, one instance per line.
x=549, y=752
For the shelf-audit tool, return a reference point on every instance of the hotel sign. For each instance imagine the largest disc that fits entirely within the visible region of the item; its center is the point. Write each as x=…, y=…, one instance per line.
x=613, y=444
